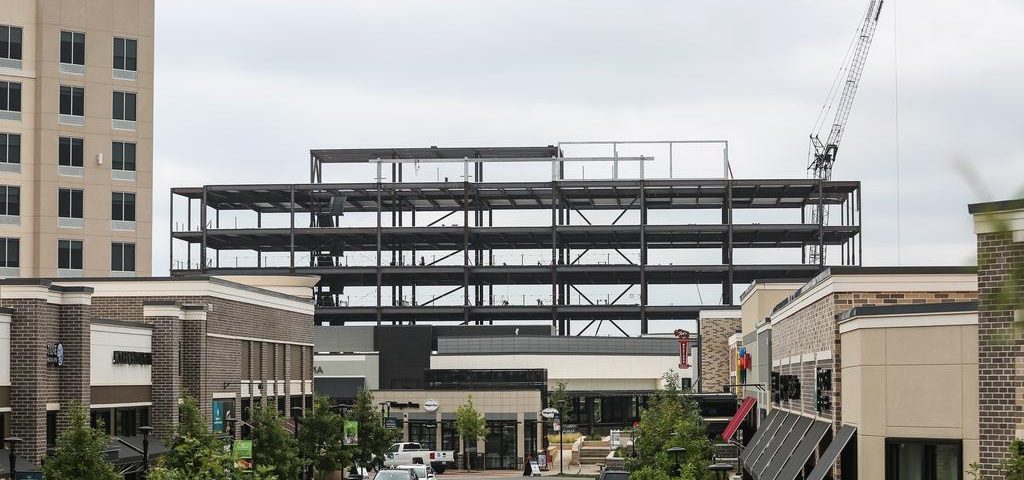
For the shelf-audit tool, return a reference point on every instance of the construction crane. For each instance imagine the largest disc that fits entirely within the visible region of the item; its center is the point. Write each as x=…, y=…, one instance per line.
x=823, y=154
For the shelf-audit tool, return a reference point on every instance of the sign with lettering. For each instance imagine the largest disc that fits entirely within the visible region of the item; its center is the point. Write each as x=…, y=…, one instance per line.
x=430, y=405
x=55, y=354
x=684, y=348
x=132, y=358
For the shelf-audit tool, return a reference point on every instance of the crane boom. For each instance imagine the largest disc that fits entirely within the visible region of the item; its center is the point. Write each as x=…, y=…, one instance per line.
x=823, y=154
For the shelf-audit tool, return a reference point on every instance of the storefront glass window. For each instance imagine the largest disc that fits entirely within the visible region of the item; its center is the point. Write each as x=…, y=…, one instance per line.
x=423, y=432
x=101, y=419
x=221, y=410
x=923, y=460
x=500, y=446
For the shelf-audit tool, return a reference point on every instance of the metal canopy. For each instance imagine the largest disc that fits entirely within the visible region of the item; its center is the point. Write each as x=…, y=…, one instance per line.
x=761, y=437
x=786, y=446
x=829, y=456
x=778, y=438
x=802, y=453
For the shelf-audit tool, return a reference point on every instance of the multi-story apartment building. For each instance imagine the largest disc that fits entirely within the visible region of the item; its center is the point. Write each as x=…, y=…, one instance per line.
x=76, y=137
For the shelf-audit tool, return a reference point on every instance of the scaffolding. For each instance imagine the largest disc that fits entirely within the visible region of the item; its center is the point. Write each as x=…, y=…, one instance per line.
x=453, y=253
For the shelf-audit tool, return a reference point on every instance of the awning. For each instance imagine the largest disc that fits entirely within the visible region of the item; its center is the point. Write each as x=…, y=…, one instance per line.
x=759, y=463
x=804, y=450
x=757, y=444
x=785, y=450
x=734, y=424
x=828, y=458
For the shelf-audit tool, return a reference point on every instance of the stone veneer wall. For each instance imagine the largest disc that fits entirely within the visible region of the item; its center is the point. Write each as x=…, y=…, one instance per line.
x=1000, y=351
x=715, y=355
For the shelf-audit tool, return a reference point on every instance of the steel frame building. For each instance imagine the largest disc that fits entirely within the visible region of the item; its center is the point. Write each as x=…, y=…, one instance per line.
x=315, y=211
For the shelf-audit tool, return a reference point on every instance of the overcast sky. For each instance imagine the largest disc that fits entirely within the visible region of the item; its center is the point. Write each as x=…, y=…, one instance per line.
x=245, y=88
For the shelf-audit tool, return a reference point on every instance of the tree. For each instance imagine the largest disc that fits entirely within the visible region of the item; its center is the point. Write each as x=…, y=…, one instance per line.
x=1013, y=467
x=470, y=424
x=273, y=445
x=320, y=438
x=196, y=454
x=672, y=420
x=559, y=398
x=374, y=438
x=79, y=454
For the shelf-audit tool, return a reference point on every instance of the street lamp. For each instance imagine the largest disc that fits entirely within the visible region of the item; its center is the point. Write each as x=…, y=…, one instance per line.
x=11, y=443
x=146, y=430
x=676, y=451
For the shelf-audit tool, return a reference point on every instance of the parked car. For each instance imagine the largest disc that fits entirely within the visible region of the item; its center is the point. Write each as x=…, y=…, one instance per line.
x=395, y=474
x=411, y=453
x=614, y=475
x=423, y=472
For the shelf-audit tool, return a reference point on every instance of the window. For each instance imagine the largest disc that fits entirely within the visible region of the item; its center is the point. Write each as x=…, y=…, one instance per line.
x=69, y=203
x=69, y=254
x=123, y=207
x=124, y=156
x=71, y=152
x=10, y=249
x=72, y=48
x=125, y=54
x=51, y=428
x=100, y=419
x=124, y=106
x=10, y=42
x=10, y=148
x=122, y=257
x=72, y=101
x=10, y=200
x=921, y=459
x=10, y=96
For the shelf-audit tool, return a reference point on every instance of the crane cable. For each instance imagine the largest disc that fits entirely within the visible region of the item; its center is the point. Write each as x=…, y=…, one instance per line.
x=896, y=108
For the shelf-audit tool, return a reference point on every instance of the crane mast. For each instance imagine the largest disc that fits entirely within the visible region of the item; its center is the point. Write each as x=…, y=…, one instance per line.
x=823, y=154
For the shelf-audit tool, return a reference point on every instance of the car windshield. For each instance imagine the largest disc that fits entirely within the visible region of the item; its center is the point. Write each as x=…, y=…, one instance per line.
x=392, y=475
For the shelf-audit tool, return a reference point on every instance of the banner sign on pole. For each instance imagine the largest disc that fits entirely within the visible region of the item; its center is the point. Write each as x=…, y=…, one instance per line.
x=351, y=433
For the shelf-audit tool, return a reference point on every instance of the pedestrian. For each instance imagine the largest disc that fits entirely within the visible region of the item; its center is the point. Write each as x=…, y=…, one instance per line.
x=527, y=471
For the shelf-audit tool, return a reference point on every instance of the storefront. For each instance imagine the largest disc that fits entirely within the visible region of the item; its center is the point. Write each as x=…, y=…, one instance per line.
x=129, y=349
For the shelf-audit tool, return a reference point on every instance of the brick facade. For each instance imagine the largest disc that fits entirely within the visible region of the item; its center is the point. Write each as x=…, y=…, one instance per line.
x=715, y=355
x=196, y=348
x=1000, y=350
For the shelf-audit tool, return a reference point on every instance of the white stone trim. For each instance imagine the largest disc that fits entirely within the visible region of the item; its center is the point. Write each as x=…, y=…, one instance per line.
x=795, y=359
x=776, y=363
x=121, y=405
x=255, y=339
x=42, y=292
x=783, y=361
x=5, y=409
x=823, y=355
x=193, y=314
x=934, y=319
x=720, y=314
x=52, y=407
x=895, y=282
x=161, y=311
x=220, y=395
x=197, y=288
x=990, y=222
x=807, y=357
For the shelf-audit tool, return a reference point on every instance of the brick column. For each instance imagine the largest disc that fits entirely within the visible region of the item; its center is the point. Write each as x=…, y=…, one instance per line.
x=33, y=381
x=1000, y=230
x=193, y=356
x=75, y=320
x=166, y=382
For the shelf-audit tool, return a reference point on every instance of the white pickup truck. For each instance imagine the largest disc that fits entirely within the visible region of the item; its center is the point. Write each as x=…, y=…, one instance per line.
x=407, y=453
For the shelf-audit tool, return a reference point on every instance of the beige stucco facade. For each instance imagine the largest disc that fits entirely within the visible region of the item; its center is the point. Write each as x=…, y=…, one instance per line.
x=41, y=75
x=910, y=377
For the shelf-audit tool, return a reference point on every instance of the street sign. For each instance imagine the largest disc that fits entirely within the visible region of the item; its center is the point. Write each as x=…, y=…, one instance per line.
x=390, y=423
x=430, y=405
x=549, y=412
x=243, y=448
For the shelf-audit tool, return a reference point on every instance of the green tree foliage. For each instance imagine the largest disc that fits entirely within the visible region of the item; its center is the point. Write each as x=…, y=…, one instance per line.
x=273, y=445
x=196, y=454
x=79, y=454
x=559, y=398
x=320, y=439
x=470, y=424
x=374, y=438
x=671, y=420
x=1014, y=466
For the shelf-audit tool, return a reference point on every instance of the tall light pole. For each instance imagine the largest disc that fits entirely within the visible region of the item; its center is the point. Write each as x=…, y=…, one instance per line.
x=550, y=413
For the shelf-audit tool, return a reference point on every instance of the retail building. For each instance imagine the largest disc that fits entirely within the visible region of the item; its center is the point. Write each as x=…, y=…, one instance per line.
x=129, y=349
